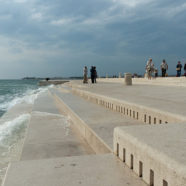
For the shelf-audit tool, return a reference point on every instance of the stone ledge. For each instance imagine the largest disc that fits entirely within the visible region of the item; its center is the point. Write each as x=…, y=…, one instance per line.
x=138, y=112
x=155, y=153
x=167, y=81
x=96, y=143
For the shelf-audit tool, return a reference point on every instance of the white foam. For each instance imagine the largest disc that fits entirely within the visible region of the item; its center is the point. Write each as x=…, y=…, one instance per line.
x=10, y=130
x=47, y=114
x=65, y=120
x=28, y=97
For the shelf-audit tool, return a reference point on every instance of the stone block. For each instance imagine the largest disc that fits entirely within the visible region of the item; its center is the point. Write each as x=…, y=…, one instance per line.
x=157, y=154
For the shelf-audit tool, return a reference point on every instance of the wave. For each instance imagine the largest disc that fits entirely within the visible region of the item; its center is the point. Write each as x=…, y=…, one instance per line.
x=28, y=97
x=12, y=134
x=10, y=131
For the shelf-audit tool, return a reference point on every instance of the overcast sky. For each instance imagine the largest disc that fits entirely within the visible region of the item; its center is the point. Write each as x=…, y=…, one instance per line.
x=58, y=37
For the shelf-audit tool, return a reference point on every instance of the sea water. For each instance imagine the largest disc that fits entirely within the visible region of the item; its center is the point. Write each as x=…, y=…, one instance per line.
x=16, y=100
x=13, y=91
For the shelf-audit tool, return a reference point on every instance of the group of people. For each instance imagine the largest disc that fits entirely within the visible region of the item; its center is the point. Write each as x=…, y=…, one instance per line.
x=150, y=69
x=93, y=74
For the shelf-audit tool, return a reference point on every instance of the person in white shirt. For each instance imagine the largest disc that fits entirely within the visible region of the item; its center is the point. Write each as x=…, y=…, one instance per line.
x=149, y=68
x=85, y=74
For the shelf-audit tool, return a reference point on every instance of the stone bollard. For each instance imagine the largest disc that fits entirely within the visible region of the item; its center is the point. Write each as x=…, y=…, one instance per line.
x=128, y=79
x=119, y=75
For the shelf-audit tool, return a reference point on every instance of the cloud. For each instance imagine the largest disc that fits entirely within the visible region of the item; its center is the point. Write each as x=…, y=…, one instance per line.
x=37, y=16
x=68, y=34
x=20, y=1
x=62, y=21
x=133, y=3
x=5, y=17
x=173, y=11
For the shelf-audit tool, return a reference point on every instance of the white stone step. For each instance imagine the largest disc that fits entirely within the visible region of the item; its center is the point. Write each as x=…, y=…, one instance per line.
x=147, y=103
x=96, y=124
x=92, y=170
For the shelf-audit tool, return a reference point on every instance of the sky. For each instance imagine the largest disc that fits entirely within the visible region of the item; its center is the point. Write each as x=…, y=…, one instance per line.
x=57, y=38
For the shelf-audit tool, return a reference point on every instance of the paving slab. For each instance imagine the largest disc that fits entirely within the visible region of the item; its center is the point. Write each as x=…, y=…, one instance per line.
x=164, y=98
x=92, y=170
x=45, y=103
x=99, y=119
x=51, y=135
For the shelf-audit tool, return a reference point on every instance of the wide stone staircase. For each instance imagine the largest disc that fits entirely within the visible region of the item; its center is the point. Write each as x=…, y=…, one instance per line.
x=84, y=156
x=115, y=138
x=155, y=152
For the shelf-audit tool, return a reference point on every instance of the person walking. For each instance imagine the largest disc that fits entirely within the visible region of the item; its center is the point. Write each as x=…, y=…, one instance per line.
x=85, y=75
x=149, y=68
x=178, y=69
x=92, y=74
x=164, y=68
x=95, y=75
x=185, y=70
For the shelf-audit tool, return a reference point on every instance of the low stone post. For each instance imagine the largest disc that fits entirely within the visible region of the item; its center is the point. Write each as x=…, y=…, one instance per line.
x=128, y=79
x=119, y=75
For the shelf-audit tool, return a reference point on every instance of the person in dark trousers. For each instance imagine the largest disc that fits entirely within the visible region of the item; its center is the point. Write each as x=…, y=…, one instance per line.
x=95, y=75
x=92, y=74
x=185, y=70
x=155, y=72
x=178, y=69
x=164, y=68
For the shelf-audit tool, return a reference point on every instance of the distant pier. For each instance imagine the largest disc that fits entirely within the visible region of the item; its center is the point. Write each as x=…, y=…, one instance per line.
x=52, y=82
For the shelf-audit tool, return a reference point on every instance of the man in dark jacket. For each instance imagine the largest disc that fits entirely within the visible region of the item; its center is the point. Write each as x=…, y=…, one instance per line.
x=185, y=70
x=178, y=69
x=92, y=74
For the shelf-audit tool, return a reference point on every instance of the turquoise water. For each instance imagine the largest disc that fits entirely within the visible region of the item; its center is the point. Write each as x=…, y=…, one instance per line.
x=12, y=91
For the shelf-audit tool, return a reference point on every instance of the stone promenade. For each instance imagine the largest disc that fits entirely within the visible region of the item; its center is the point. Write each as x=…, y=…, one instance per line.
x=105, y=134
x=57, y=153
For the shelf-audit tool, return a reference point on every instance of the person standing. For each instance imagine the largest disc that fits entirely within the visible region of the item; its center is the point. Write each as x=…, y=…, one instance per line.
x=178, y=69
x=164, y=68
x=185, y=70
x=85, y=75
x=149, y=68
x=95, y=75
x=92, y=74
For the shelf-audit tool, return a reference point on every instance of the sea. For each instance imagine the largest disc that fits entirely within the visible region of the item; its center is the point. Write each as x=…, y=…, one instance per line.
x=16, y=101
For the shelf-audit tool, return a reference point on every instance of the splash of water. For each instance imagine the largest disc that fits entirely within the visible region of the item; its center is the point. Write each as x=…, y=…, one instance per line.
x=11, y=130
x=28, y=97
